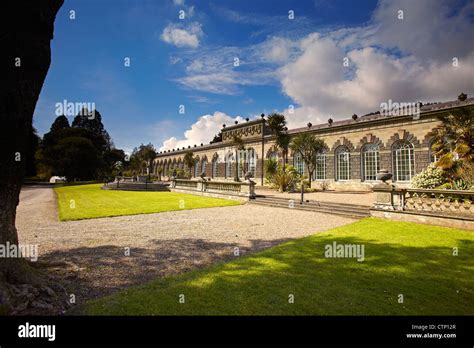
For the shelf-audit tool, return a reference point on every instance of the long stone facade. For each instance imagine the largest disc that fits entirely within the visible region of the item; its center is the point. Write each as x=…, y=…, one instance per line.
x=355, y=149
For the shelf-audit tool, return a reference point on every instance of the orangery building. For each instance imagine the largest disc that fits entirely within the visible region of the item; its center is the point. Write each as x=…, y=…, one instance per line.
x=356, y=149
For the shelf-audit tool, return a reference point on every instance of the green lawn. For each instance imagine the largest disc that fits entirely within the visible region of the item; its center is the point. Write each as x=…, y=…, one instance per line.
x=89, y=201
x=400, y=258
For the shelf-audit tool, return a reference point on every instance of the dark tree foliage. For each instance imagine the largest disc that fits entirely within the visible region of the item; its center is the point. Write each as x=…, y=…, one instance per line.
x=92, y=120
x=100, y=163
x=142, y=158
x=113, y=162
x=217, y=138
x=51, y=152
x=77, y=158
x=60, y=122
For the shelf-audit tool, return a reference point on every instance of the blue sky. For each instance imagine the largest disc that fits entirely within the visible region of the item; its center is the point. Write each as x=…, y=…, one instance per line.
x=284, y=64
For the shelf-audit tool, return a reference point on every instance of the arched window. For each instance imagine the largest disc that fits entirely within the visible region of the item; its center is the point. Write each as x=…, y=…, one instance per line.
x=196, y=168
x=229, y=168
x=343, y=158
x=320, y=170
x=403, y=157
x=252, y=161
x=299, y=163
x=203, y=165
x=242, y=161
x=215, y=168
x=370, y=162
x=273, y=155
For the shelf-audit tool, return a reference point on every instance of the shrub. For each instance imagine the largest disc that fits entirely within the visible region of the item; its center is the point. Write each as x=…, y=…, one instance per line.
x=285, y=179
x=466, y=172
x=271, y=166
x=460, y=184
x=182, y=174
x=325, y=185
x=429, y=178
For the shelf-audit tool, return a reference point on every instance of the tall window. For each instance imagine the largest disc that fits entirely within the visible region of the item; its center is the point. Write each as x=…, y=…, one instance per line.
x=320, y=170
x=343, y=158
x=196, y=168
x=299, y=163
x=203, y=165
x=215, y=169
x=229, y=168
x=242, y=159
x=403, y=161
x=252, y=161
x=370, y=162
x=273, y=155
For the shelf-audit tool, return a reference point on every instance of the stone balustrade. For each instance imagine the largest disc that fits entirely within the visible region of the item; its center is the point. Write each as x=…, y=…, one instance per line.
x=243, y=189
x=389, y=197
x=443, y=201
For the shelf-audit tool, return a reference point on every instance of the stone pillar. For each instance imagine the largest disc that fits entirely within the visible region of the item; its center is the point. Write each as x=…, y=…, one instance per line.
x=247, y=188
x=383, y=196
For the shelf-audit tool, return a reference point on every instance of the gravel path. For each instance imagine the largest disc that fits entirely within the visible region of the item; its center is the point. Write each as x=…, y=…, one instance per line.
x=160, y=244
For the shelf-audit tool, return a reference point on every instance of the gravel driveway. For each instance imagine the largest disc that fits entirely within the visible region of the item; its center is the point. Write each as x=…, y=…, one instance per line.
x=90, y=255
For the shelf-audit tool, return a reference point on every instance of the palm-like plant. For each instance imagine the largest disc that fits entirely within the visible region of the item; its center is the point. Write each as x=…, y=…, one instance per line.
x=277, y=124
x=453, y=141
x=308, y=146
x=189, y=161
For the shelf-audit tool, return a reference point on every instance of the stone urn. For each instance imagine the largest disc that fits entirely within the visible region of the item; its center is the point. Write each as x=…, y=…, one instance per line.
x=384, y=175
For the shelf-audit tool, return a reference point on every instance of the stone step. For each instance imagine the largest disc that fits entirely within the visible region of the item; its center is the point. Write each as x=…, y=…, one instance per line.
x=342, y=211
x=322, y=204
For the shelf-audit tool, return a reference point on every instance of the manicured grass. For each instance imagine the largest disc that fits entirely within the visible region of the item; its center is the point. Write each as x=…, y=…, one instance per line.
x=400, y=258
x=89, y=201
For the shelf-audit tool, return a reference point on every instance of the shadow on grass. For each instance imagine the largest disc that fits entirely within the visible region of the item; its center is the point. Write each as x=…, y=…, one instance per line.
x=430, y=279
x=90, y=272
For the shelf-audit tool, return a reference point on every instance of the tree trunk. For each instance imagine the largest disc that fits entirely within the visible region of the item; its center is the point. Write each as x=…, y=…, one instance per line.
x=24, y=64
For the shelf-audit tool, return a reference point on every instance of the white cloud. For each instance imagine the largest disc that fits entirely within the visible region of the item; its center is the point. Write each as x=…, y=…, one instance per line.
x=183, y=36
x=422, y=71
x=405, y=60
x=202, y=131
x=178, y=2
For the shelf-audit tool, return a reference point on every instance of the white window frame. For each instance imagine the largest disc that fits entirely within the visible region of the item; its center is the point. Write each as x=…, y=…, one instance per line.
x=341, y=152
x=214, y=167
x=229, y=166
x=203, y=165
x=252, y=161
x=298, y=163
x=320, y=169
x=400, y=148
x=372, y=150
x=196, y=168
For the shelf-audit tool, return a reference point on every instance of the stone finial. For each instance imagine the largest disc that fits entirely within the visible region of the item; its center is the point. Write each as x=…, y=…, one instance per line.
x=354, y=117
x=330, y=121
x=309, y=124
x=462, y=97
x=384, y=175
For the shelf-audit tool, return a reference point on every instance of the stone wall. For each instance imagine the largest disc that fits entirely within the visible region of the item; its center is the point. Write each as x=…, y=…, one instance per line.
x=354, y=136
